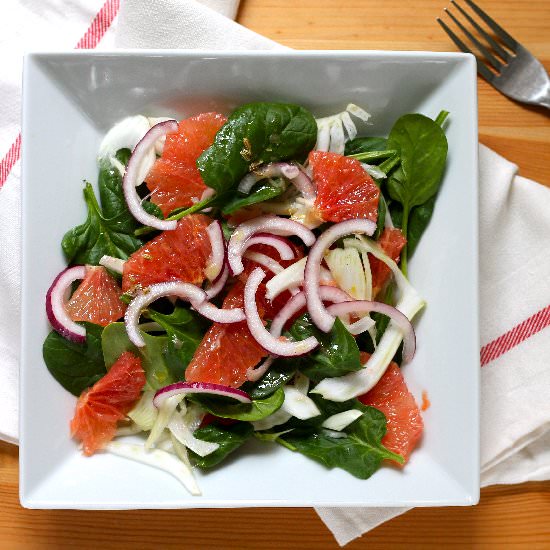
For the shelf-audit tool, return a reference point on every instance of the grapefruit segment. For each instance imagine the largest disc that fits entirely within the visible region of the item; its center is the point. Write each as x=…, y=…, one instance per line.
x=178, y=255
x=393, y=398
x=392, y=242
x=227, y=351
x=344, y=190
x=100, y=408
x=174, y=180
x=97, y=298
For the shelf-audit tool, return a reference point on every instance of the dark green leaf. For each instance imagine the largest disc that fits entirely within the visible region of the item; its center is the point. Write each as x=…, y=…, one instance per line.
x=108, y=229
x=114, y=341
x=422, y=147
x=381, y=218
x=364, y=144
x=336, y=355
x=185, y=330
x=419, y=219
x=263, y=191
x=277, y=376
x=249, y=412
x=75, y=366
x=360, y=453
x=254, y=134
x=97, y=236
x=229, y=439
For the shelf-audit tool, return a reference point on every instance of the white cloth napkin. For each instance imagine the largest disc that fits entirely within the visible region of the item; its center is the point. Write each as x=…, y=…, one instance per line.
x=514, y=230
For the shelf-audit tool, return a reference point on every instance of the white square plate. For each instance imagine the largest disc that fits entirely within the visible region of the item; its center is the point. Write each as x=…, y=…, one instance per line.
x=71, y=99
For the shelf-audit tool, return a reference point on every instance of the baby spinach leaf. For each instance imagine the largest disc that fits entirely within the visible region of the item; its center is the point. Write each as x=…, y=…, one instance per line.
x=185, y=330
x=360, y=453
x=336, y=355
x=365, y=144
x=108, y=229
x=75, y=366
x=114, y=341
x=113, y=203
x=277, y=376
x=229, y=439
x=249, y=412
x=254, y=134
x=263, y=191
x=419, y=218
x=422, y=148
x=97, y=236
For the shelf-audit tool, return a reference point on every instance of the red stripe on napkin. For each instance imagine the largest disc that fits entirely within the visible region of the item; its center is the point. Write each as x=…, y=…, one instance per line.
x=97, y=29
x=102, y=21
x=12, y=156
x=515, y=336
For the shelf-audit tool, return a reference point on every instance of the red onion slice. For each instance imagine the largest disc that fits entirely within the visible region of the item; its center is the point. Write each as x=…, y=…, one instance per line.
x=216, y=261
x=55, y=304
x=312, y=272
x=265, y=261
x=271, y=344
x=295, y=304
x=268, y=224
x=400, y=320
x=286, y=252
x=304, y=184
x=184, y=388
x=216, y=287
x=185, y=291
x=132, y=176
x=218, y=315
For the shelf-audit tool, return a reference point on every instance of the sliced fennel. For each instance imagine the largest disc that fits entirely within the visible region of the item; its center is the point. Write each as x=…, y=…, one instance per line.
x=292, y=277
x=296, y=403
x=184, y=434
x=409, y=303
x=144, y=413
x=350, y=269
x=339, y=421
x=125, y=135
x=330, y=129
x=160, y=459
x=347, y=270
x=131, y=429
x=163, y=418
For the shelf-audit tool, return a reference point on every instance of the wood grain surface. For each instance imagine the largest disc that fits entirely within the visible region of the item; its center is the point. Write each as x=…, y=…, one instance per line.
x=507, y=517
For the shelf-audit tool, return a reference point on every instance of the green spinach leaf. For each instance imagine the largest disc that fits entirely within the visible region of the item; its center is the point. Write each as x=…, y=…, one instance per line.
x=419, y=218
x=263, y=191
x=360, y=453
x=277, y=376
x=229, y=439
x=75, y=366
x=113, y=203
x=114, y=341
x=422, y=148
x=249, y=412
x=185, y=330
x=365, y=144
x=336, y=355
x=108, y=229
x=97, y=236
x=254, y=134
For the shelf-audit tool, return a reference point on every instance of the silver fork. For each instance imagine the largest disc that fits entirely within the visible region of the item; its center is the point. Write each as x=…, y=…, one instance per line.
x=517, y=73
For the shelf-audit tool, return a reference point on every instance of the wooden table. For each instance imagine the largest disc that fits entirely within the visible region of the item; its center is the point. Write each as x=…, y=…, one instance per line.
x=515, y=516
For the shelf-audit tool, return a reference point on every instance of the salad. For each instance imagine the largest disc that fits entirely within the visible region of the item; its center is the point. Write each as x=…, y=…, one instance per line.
x=245, y=277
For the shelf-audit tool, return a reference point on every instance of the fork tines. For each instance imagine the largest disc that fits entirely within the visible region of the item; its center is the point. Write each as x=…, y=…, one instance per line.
x=488, y=55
